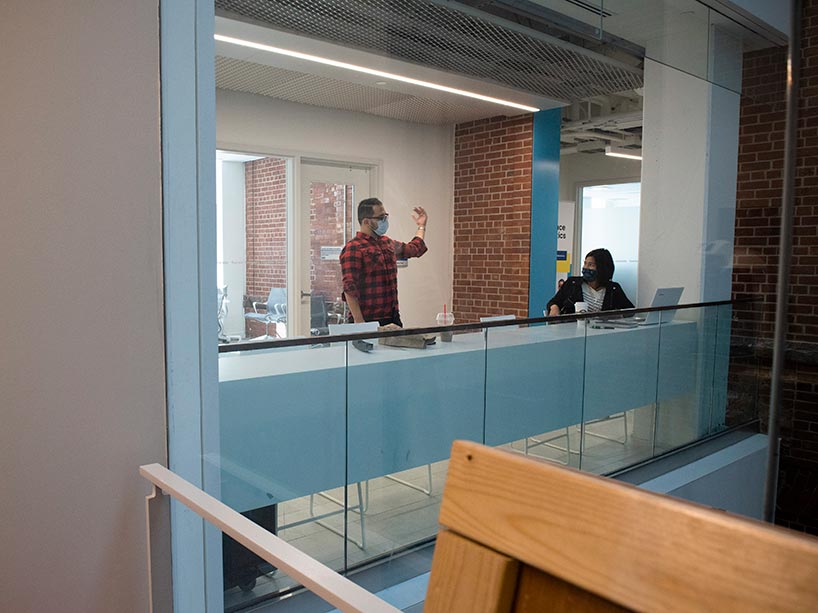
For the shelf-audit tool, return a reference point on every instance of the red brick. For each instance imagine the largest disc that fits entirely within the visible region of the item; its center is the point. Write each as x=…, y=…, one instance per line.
x=491, y=268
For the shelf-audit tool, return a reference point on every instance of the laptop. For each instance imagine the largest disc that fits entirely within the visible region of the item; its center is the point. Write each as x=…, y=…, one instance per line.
x=664, y=297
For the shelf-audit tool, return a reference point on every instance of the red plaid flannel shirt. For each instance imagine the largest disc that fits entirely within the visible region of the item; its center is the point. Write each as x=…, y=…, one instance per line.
x=369, y=266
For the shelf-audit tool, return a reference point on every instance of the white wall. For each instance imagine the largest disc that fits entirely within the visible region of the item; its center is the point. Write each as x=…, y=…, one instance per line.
x=597, y=168
x=417, y=169
x=731, y=479
x=81, y=368
x=234, y=252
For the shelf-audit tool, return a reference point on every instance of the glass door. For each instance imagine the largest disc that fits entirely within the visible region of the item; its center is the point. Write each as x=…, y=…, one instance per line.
x=330, y=193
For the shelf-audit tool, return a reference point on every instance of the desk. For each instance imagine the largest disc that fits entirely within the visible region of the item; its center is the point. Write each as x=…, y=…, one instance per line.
x=284, y=414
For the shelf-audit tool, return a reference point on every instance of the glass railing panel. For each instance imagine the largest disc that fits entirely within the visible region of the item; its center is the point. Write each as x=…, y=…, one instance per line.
x=282, y=449
x=746, y=396
x=689, y=375
x=620, y=389
x=406, y=406
x=534, y=387
x=342, y=448
x=721, y=368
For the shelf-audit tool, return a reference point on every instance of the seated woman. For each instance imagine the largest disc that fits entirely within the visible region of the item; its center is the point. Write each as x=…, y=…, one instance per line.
x=594, y=287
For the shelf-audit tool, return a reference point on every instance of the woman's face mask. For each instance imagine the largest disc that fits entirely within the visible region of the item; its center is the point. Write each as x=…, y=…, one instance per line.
x=588, y=274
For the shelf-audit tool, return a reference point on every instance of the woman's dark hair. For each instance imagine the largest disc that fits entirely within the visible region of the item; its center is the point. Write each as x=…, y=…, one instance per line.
x=604, y=264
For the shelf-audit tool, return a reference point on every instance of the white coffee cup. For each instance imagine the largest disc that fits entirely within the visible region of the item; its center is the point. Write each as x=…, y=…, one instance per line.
x=581, y=307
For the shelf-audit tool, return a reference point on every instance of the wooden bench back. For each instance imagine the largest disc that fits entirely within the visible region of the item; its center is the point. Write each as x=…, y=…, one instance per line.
x=523, y=535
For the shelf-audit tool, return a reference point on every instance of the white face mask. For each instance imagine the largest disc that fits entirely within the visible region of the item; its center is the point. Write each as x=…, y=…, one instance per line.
x=383, y=226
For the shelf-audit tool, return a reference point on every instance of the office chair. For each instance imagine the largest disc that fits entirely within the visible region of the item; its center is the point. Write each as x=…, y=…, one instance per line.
x=275, y=309
x=320, y=317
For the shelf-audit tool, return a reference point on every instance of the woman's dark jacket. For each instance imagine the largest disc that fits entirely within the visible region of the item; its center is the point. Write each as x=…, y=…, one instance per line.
x=571, y=292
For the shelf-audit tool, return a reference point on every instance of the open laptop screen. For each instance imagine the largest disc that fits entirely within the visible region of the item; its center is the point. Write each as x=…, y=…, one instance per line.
x=664, y=296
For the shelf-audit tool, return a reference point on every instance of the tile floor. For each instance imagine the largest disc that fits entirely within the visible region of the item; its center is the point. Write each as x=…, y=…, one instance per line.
x=397, y=517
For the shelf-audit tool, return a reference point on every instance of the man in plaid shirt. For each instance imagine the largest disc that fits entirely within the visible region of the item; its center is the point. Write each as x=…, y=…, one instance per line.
x=369, y=264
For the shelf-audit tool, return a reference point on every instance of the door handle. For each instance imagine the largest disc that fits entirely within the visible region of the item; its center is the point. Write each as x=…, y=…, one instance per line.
x=306, y=294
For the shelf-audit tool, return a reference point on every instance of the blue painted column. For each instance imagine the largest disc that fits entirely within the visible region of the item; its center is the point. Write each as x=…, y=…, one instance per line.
x=545, y=189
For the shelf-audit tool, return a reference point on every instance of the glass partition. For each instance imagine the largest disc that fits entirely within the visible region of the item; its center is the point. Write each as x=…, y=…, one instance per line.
x=341, y=447
x=282, y=456
x=348, y=441
x=534, y=389
x=747, y=398
x=690, y=381
x=621, y=362
x=407, y=401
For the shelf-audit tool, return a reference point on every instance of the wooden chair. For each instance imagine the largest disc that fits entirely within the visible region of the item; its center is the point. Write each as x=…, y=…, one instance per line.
x=523, y=535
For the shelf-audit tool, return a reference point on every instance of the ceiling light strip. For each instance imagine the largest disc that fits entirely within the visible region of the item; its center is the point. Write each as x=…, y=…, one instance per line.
x=619, y=152
x=370, y=71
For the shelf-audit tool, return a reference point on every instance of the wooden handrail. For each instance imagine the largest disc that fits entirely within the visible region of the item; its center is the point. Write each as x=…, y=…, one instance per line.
x=316, y=577
x=525, y=535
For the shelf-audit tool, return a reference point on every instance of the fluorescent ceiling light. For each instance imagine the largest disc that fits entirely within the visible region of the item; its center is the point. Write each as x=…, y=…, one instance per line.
x=620, y=152
x=370, y=71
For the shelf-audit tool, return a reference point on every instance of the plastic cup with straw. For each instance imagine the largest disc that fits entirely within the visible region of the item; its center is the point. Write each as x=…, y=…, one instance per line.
x=445, y=319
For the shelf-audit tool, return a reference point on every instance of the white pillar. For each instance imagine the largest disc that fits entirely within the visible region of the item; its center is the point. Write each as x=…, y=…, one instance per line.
x=690, y=154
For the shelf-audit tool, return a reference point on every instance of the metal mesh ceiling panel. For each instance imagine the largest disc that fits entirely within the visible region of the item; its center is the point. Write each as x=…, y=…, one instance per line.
x=243, y=76
x=433, y=35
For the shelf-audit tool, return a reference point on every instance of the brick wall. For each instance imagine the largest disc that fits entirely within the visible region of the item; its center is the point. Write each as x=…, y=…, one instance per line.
x=266, y=225
x=328, y=201
x=265, y=231
x=758, y=193
x=758, y=211
x=492, y=217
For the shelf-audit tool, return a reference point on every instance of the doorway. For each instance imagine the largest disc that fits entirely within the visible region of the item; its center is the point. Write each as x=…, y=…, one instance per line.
x=330, y=192
x=278, y=247
x=610, y=219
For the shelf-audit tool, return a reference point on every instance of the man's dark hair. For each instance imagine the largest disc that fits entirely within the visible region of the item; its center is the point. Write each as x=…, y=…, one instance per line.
x=366, y=207
x=604, y=264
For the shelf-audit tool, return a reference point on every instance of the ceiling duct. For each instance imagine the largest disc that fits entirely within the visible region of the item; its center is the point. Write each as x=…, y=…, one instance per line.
x=449, y=37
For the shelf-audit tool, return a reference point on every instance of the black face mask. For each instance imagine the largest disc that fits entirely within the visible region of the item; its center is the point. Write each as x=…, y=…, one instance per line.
x=588, y=274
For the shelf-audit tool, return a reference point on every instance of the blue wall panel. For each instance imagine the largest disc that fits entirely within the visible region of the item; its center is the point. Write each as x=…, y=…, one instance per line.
x=545, y=187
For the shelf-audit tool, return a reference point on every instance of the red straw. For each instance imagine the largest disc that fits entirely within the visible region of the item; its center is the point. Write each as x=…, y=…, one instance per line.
x=444, y=311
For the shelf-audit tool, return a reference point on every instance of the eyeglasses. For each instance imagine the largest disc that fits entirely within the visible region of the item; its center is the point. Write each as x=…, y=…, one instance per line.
x=381, y=217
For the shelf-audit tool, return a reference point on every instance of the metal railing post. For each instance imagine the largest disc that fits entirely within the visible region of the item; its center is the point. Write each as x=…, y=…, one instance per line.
x=784, y=257
x=160, y=570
